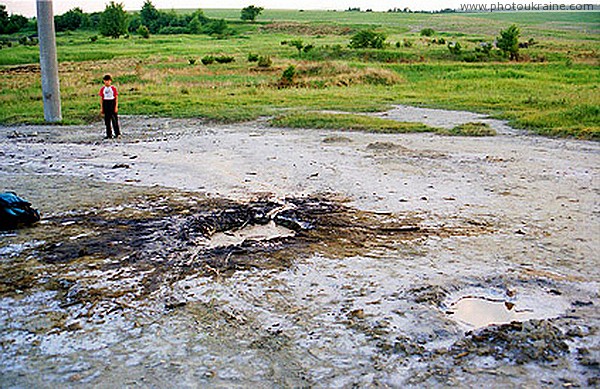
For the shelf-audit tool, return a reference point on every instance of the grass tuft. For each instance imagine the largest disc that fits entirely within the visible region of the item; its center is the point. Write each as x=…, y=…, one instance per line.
x=334, y=121
x=469, y=129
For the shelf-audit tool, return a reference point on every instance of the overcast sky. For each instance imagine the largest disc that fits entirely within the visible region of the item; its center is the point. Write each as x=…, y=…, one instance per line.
x=28, y=7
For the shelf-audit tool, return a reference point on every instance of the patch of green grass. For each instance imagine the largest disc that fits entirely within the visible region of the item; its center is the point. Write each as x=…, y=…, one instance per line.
x=469, y=129
x=553, y=93
x=335, y=121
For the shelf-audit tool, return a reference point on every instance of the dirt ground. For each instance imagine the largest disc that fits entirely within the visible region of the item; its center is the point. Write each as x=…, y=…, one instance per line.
x=371, y=242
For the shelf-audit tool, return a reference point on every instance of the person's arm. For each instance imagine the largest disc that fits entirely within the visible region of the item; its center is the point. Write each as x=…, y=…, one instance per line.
x=101, y=101
x=116, y=93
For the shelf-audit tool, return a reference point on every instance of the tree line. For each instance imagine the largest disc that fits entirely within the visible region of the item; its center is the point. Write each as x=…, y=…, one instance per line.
x=114, y=21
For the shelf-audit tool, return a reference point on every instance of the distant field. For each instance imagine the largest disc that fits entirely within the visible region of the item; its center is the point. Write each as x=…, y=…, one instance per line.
x=553, y=90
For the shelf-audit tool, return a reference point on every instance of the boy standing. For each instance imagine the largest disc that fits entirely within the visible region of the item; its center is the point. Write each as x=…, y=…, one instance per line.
x=109, y=106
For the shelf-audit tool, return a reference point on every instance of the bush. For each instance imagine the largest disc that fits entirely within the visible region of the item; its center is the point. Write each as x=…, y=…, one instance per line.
x=93, y=38
x=287, y=78
x=264, y=61
x=143, y=31
x=28, y=41
x=207, y=60
x=484, y=48
x=192, y=61
x=508, y=42
x=216, y=27
x=224, y=59
x=470, y=129
x=365, y=39
x=172, y=30
x=298, y=44
x=252, y=57
x=455, y=48
x=427, y=32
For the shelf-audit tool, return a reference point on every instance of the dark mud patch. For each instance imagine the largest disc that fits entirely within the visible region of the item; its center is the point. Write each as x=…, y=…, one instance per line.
x=533, y=340
x=428, y=294
x=157, y=239
x=336, y=139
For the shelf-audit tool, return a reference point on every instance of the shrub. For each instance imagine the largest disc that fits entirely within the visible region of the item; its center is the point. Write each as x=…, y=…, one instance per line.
x=93, y=38
x=455, y=48
x=484, y=48
x=427, y=32
x=367, y=39
x=470, y=129
x=224, y=59
x=264, y=61
x=143, y=31
x=298, y=44
x=172, y=30
x=287, y=78
x=216, y=27
x=508, y=42
x=208, y=59
x=192, y=61
x=252, y=57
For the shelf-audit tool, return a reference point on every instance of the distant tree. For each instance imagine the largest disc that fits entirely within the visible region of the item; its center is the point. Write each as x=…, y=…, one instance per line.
x=4, y=18
x=113, y=21
x=11, y=24
x=70, y=20
x=508, y=42
x=367, y=39
x=16, y=23
x=195, y=26
x=250, y=13
x=135, y=22
x=149, y=17
x=91, y=21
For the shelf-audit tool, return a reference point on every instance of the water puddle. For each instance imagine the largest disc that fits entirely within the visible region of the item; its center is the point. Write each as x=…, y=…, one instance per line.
x=477, y=312
x=255, y=232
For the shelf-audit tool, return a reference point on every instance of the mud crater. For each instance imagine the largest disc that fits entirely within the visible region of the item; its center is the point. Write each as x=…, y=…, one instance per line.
x=161, y=238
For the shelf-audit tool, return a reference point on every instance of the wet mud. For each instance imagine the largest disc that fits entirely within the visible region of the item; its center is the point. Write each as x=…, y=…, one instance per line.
x=188, y=255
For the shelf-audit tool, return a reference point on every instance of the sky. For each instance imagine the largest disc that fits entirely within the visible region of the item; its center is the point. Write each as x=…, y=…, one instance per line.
x=28, y=7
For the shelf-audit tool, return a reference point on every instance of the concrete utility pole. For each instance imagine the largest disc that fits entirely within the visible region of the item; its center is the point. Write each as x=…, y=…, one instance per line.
x=48, y=61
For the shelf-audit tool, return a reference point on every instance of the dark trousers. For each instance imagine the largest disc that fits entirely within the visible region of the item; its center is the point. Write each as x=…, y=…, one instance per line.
x=110, y=118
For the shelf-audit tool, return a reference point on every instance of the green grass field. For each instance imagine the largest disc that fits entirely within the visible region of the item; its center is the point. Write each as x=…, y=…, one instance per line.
x=552, y=91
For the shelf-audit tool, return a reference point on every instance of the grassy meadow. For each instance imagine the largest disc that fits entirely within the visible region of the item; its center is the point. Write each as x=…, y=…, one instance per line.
x=552, y=90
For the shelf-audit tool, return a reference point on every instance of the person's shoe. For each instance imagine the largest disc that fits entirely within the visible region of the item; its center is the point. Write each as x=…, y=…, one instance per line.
x=108, y=137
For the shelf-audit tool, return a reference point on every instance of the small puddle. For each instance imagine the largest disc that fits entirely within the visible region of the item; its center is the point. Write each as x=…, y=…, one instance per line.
x=477, y=312
x=255, y=232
